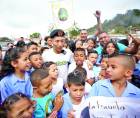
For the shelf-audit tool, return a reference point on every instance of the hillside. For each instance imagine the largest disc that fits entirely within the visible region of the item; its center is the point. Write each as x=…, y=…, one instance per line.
x=121, y=22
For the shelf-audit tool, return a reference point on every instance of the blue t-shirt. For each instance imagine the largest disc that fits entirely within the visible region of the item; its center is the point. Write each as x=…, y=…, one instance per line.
x=105, y=88
x=44, y=106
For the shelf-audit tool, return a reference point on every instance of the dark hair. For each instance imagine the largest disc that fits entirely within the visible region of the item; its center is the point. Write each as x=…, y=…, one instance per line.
x=46, y=38
x=76, y=77
x=20, y=44
x=31, y=43
x=46, y=65
x=82, y=71
x=38, y=74
x=92, y=51
x=79, y=49
x=43, y=49
x=104, y=52
x=34, y=53
x=9, y=101
x=124, y=41
x=11, y=54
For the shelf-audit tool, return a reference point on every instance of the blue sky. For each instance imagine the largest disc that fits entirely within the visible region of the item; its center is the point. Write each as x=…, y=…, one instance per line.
x=23, y=17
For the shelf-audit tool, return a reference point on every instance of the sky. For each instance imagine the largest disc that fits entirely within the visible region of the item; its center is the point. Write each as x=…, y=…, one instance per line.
x=24, y=17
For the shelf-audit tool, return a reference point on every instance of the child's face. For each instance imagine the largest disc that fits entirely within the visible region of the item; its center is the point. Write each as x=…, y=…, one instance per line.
x=21, y=109
x=110, y=48
x=78, y=44
x=115, y=70
x=76, y=92
x=53, y=71
x=93, y=58
x=45, y=86
x=90, y=44
x=32, y=48
x=22, y=64
x=79, y=57
x=36, y=61
x=104, y=63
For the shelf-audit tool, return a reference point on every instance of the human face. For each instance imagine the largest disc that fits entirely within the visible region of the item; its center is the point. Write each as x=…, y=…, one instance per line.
x=110, y=49
x=83, y=35
x=21, y=109
x=138, y=55
x=115, y=69
x=53, y=71
x=58, y=44
x=33, y=48
x=78, y=44
x=22, y=64
x=104, y=63
x=76, y=92
x=49, y=41
x=90, y=45
x=104, y=38
x=36, y=61
x=45, y=86
x=93, y=58
x=79, y=57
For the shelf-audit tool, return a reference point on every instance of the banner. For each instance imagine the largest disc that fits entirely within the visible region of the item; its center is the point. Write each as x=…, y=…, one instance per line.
x=111, y=107
x=62, y=13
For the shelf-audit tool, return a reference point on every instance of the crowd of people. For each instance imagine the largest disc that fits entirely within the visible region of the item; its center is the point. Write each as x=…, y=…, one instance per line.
x=56, y=79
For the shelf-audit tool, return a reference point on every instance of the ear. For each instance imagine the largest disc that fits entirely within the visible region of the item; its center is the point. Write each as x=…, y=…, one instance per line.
x=14, y=63
x=128, y=73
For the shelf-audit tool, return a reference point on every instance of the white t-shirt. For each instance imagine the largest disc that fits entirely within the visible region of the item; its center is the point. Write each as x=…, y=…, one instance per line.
x=72, y=66
x=78, y=108
x=58, y=86
x=61, y=60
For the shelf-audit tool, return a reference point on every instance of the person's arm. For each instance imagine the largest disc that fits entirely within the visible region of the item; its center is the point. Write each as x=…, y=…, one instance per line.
x=133, y=49
x=99, y=25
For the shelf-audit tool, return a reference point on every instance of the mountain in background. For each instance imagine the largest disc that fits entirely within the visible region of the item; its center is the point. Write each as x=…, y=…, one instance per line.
x=121, y=23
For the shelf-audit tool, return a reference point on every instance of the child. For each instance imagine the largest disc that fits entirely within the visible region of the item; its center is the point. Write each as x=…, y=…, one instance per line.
x=16, y=79
x=36, y=60
x=75, y=98
x=42, y=85
x=110, y=48
x=57, y=83
x=103, y=65
x=79, y=57
x=91, y=59
x=120, y=68
x=32, y=47
x=17, y=105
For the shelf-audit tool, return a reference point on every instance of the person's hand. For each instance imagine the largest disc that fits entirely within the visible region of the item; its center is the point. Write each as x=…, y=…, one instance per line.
x=71, y=114
x=90, y=65
x=85, y=45
x=58, y=102
x=53, y=114
x=97, y=14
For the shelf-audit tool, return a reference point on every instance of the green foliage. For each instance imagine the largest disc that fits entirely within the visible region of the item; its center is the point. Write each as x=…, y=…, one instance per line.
x=35, y=35
x=73, y=33
x=5, y=39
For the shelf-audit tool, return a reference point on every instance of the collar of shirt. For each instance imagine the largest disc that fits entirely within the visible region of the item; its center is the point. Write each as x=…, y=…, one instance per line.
x=15, y=79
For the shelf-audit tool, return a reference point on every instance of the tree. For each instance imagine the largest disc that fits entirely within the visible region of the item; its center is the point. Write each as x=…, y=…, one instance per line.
x=35, y=35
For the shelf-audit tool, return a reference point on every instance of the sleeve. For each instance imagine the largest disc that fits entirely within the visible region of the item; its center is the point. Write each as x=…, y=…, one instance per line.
x=121, y=47
x=94, y=90
x=3, y=91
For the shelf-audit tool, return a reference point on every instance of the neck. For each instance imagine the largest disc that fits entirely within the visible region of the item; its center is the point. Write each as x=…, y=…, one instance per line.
x=119, y=84
x=20, y=74
x=57, y=52
x=54, y=80
x=76, y=102
x=36, y=94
